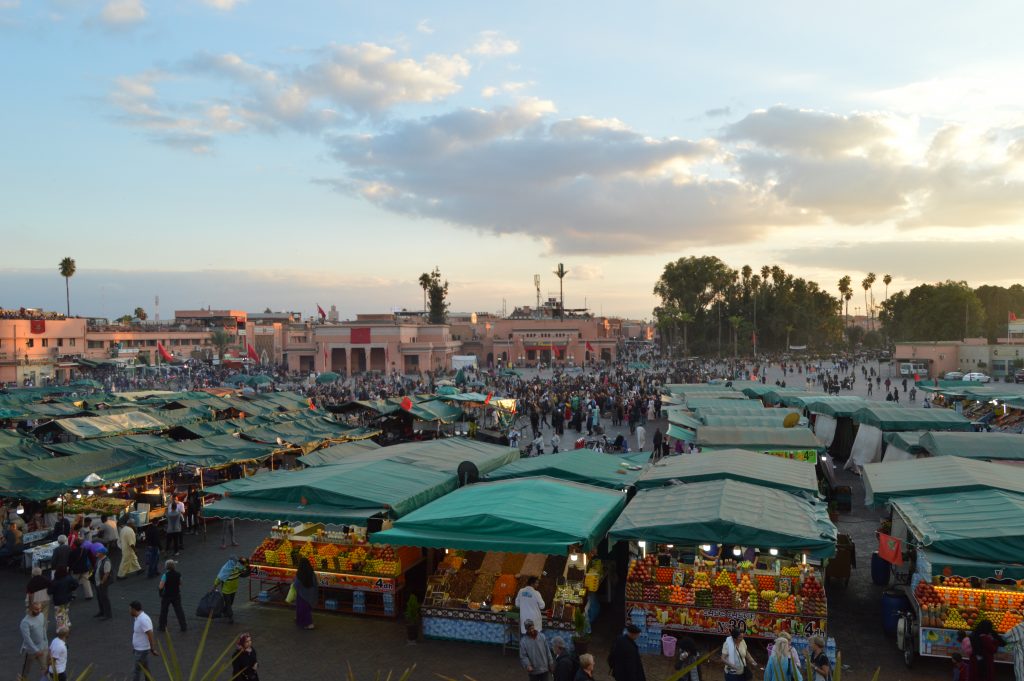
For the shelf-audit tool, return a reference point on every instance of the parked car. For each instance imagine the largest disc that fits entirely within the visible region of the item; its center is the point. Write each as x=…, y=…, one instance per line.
x=1018, y=376
x=976, y=376
x=954, y=376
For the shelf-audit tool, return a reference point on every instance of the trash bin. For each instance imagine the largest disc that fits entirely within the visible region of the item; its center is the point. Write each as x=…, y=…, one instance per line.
x=668, y=645
x=879, y=570
x=893, y=601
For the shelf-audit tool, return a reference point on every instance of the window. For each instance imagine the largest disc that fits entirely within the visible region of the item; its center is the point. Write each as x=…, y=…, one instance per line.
x=60, y=342
x=30, y=342
x=93, y=345
x=71, y=342
x=46, y=342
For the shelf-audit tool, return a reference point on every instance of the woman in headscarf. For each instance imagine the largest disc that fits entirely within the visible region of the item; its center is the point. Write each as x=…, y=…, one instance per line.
x=306, y=594
x=244, y=663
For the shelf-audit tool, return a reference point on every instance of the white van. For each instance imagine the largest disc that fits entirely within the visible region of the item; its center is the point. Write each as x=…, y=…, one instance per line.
x=910, y=369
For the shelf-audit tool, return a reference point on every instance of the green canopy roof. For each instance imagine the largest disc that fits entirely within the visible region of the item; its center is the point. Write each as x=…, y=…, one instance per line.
x=995, y=446
x=907, y=440
x=799, y=399
x=754, y=390
x=729, y=512
x=381, y=485
x=884, y=482
x=733, y=464
x=261, y=509
x=125, y=442
x=46, y=478
x=327, y=377
x=965, y=567
x=339, y=452
x=691, y=388
x=985, y=525
x=680, y=433
x=211, y=452
x=446, y=454
x=14, y=447
x=683, y=418
x=300, y=432
x=105, y=426
x=754, y=420
x=731, y=406
x=838, y=406
x=525, y=515
x=577, y=465
x=759, y=439
x=908, y=418
x=776, y=394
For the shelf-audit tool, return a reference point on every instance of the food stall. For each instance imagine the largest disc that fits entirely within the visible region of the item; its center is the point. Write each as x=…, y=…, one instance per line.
x=872, y=421
x=963, y=567
x=722, y=553
x=885, y=482
x=789, y=443
x=733, y=464
x=494, y=535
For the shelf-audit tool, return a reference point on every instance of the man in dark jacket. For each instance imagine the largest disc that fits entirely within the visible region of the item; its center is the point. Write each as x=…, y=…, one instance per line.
x=170, y=596
x=624, y=659
x=565, y=664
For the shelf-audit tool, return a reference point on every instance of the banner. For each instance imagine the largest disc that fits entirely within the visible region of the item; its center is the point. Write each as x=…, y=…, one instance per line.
x=807, y=455
x=360, y=336
x=890, y=549
x=719, y=621
x=37, y=326
x=329, y=579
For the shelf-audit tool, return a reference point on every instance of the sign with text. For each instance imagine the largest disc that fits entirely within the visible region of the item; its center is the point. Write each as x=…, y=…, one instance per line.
x=720, y=621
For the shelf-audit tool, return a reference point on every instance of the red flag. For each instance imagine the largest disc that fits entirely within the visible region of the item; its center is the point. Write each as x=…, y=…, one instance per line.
x=917, y=377
x=406, y=403
x=37, y=326
x=1013, y=317
x=168, y=357
x=320, y=311
x=251, y=351
x=489, y=396
x=890, y=549
x=590, y=348
x=312, y=406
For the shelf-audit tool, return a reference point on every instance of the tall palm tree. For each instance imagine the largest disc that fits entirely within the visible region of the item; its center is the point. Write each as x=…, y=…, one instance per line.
x=845, y=292
x=425, y=285
x=67, y=270
x=866, y=284
x=221, y=341
x=871, y=308
x=887, y=279
x=560, y=273
x=735, y=322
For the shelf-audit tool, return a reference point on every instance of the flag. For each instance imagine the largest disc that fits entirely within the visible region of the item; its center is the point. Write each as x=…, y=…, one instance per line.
x=320, y=311
x=590, y=348
x=312, y=407
x=1013, y=317
x=406, y=403
x=917, y=377
x=37, y=326
x=488, y=400
x=168, y=357
x=890, y=549
x=251, y=352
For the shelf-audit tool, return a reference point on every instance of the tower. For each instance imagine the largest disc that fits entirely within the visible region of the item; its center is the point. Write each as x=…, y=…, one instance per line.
x=536, y=285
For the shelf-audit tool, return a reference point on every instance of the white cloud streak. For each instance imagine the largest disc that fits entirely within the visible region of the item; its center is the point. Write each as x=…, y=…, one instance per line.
x=493, y=44
x=123, y=13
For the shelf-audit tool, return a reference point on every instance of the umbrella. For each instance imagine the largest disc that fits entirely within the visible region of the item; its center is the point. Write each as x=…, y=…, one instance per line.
x=510, y=372
x=327, y=377
x=261, y=379
x=444, y=381
x=447, y=390
x=87, y=383
x=236, y=379
x=477, y=384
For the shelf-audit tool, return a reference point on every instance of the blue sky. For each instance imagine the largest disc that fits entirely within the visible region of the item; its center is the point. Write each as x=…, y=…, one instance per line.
x=250, y=153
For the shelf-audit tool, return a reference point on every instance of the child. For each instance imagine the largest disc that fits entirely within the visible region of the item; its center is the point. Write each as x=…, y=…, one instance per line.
x=961, y=672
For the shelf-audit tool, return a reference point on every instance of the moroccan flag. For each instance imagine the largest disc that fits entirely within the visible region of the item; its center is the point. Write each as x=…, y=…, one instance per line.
x=590, y=348
x=37, y=326
x=168, y=357
x=488, y=400
x=320, y=311
x=251, y=352
x=890, y=549
x=360, y=336
x=917, y=377
x=1013, y=317
x=406, y=403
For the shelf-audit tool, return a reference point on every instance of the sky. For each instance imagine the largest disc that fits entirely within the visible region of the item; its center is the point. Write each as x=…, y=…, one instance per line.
x=248, y=154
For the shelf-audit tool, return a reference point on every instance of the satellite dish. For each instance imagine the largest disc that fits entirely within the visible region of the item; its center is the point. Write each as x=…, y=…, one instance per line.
x=791, y=420
x=468, y=473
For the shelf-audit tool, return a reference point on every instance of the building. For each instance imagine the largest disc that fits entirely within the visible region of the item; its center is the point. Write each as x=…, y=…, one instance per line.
x=36, y=349
x=998, y=360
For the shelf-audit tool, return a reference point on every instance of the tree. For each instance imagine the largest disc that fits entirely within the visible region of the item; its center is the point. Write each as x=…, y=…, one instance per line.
x=789, y=330
x=67, y=270
x=887, y=279
x=221, y=341
x=735, y=322
x=560, y=273
x=436, y=294
x=869, y=308
x=425, y=285
x=945, y=311
x=866, y=284
x=140, y=314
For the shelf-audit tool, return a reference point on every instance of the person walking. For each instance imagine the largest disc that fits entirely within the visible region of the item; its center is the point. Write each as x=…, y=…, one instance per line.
x=307, y=594
x=33, y=641
x=641, y=438
x=102, y=575
x=126, y=542
x=61, y=555
x=530, y=604
x=244, y=664
x=62, y=592
x=564, y=667
x=175, y=514
x=194, y=507
x=151, y=537
x=227, y=529
x=624, y=659
x=819, y=660
x=534, y=654
x=36, y=592
x=736, y=657
x=80, y=565
x=227, y=582
x=780, y=663
x=59, y=655
x=586, y=670
x=170, y=596
x=143, y=644
x=555, y=441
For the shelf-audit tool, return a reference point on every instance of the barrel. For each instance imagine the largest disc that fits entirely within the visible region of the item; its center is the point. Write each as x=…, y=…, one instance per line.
x=893, y=601
x=879, y=570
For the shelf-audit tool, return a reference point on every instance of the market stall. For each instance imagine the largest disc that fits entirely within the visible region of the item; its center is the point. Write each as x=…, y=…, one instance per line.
x=963, y=567
x=732, y=464
x=578, y=465
x=789, y=443
x=872, y=421
x=717, y=554
x=494, y=536
x=884, y=482
x=988, y=446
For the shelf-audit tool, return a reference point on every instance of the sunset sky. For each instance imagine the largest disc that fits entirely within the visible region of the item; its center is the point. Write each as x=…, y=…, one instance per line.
x=247, y=153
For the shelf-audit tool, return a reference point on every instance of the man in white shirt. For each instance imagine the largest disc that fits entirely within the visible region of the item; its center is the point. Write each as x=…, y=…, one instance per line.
x=530, y=604
x=59, y=655
x=143, y=644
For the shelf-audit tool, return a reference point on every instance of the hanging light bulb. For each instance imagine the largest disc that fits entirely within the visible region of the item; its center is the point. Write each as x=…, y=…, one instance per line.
x=91, y=493
x=736, y=551
x=75, y=491
x=573, y=557
x=116, y=485
x=774, y=552
x=671, y=546
x=110, y=490
x=78, y=496
x=642, y=544
x=706, y=548
x=805, y=559
x=20, y=510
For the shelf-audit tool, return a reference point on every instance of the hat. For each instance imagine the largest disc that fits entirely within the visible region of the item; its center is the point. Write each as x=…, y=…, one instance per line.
x=101, y=549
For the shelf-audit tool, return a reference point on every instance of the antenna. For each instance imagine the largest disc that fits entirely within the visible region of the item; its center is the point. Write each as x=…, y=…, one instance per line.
x=156, y=309
x=536, y=285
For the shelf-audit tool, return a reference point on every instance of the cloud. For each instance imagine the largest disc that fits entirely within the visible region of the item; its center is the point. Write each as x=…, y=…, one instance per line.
x=720, y=111
x=123, y=13
x=135, y=98
x=799, y=130
x=509, y=87
x=423, y=26
x=492, y=44
x=223, y=5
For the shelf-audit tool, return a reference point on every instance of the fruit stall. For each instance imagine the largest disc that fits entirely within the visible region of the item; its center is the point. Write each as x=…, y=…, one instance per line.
x=354, y=577
x=964, y=567
x=770, y=579
x=494, y=535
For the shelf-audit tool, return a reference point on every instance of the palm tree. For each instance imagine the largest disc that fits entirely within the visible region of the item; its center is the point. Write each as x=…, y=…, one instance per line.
x=560, y=273
x=845, y=292
x=140, y=314
x=871, y=308
x=425, y=285
x=735, y=322
x=887, y=279
x=866, y=284
x=221, y=341
x=67, y=270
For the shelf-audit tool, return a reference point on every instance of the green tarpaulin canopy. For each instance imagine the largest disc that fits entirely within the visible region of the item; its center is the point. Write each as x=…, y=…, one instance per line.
x=907, y=440
x=739, y=402
x=965, y=567
x=527, y=515
x=578, y=465
x=731, y=408
x=683, y=418
x=692, y=388
x=777, y=394
x=340, y=452
x=754, y=390
x=993, y=446
x=799, y=399
x=446, y=454
x=125, y=442
x=381, y=485
x=728, y=512
x=681, y=433
x=906, y=418
x=919, y=477
x=754, y=420
x=759, y=439
x=261, y=509
x=104, y=426
x=327, y=377
x=46, y=478
x=211, y=452
x=301, y=432
x=985, y=525
x=733, y=464
x=837, y=406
